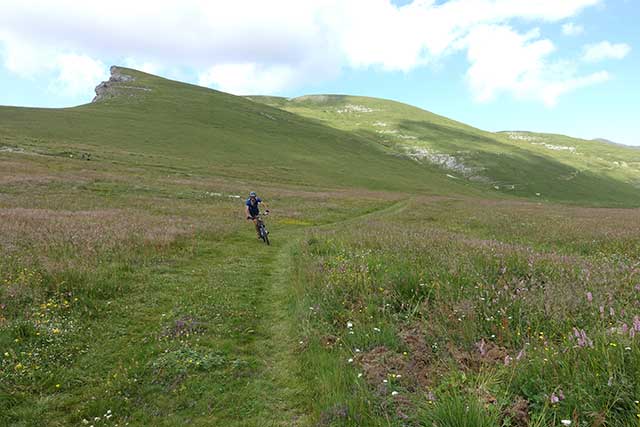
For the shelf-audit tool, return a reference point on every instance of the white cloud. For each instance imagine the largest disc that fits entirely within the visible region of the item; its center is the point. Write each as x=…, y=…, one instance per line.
x=70, y=74
x=247, y=78
x=505, y=61
x=77, y=74
x=22, y=57
x=571, y=29
x=146, y=66
x=605, y=50
x=251, y=46
x=553, y=89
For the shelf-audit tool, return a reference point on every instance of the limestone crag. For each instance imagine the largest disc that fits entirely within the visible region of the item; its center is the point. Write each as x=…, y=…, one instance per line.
x=114, y=87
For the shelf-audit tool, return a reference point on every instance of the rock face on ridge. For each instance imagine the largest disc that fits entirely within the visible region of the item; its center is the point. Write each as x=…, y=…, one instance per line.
x=113, y=87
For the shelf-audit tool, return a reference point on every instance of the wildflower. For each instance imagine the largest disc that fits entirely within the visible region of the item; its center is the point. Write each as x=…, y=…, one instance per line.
x=6, y=354
x=349, y=325
x=57, y=385
x=350, y=360
x=556, y=398
x=565, y=422
x=56, y=331
x=394, y=393
x=581, y=338
x=589, y=296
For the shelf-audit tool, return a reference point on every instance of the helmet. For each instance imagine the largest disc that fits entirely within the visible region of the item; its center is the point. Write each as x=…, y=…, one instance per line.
x=252, y=194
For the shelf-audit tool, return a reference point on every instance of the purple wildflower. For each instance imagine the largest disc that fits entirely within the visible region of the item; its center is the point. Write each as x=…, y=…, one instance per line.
x=555, y=398
x=589, y=296
x=581, y=338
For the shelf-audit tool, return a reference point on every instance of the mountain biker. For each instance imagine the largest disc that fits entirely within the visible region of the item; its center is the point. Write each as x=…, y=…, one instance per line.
x=252, y=209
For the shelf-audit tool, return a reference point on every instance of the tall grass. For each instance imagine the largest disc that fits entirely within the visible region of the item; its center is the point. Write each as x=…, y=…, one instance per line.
x=553, y=320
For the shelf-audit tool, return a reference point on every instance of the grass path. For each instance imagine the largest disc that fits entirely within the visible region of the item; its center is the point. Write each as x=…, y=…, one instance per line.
x=201, y=337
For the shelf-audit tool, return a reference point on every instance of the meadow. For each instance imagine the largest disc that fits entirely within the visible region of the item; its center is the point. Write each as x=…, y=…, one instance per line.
x=395, y=293
x=459, y=312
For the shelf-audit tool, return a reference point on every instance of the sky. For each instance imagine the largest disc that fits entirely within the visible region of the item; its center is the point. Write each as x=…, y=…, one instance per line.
x=559, y=66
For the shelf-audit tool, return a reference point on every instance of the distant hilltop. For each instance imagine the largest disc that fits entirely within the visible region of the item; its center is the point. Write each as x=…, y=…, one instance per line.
x=608, y=141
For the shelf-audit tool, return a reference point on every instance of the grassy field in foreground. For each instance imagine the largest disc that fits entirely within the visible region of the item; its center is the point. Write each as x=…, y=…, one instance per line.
x=149, y=302
x=471, y=313
x=134, y=298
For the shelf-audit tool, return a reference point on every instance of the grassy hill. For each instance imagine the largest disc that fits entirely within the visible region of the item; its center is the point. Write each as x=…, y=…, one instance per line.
x=551, y=167
x=323, y=141
x=200, y=131
x=414, y=276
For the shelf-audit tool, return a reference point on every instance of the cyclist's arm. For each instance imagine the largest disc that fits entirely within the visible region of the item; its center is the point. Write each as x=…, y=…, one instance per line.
x=246, y=211
x=266, y=207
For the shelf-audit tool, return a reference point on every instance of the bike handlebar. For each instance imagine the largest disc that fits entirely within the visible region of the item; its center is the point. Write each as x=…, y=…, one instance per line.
x=266, y=213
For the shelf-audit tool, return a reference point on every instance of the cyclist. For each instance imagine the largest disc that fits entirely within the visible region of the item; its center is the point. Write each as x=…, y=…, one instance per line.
x=252, y=209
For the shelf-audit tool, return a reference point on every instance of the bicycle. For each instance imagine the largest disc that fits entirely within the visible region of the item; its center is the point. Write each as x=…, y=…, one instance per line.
x=262, y=228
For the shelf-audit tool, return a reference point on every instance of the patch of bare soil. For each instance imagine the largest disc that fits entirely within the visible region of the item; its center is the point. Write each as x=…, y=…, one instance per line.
x=518, y=412
x=486, y=353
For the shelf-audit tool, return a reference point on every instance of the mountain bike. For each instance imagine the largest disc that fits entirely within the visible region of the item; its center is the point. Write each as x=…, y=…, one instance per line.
x=262, y=228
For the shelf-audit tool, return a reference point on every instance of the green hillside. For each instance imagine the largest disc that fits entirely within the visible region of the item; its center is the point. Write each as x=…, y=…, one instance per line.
x=201, y=131
x=551, y=167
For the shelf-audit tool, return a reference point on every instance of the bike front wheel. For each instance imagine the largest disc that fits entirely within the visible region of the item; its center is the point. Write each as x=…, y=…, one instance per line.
x=264, y=234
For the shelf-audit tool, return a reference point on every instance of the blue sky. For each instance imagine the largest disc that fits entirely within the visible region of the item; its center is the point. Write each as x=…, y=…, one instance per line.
x=562, y=66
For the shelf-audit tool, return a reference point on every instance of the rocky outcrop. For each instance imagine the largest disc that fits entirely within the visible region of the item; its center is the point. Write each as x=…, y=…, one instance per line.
x=114, y=86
